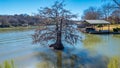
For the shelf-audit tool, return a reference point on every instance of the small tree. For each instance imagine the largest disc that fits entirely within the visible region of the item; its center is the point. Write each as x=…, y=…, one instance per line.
x=91, y=13
x=116, y=16
x=61, y=30
x=107, y=9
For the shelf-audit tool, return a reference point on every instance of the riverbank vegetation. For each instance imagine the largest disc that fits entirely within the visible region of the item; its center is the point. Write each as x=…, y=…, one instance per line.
x=114, y=62
x=18, y=20
x=8, y=64
x=62, y=30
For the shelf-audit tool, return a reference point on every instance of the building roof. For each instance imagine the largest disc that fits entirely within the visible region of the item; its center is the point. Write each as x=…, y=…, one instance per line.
x=97, y=22
x=78, y=22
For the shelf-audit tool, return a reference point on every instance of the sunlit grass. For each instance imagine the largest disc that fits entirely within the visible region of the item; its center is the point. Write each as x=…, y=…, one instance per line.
x=7, y=64
x=12, y=63
x=0, y=66
x=110, y=27
x=114, y=62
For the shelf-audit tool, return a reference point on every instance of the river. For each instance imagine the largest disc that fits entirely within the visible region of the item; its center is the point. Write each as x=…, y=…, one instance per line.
x=93, y=51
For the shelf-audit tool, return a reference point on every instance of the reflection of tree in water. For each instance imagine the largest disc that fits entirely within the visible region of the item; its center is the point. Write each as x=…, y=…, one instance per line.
x=91, y=40
x=71, y=59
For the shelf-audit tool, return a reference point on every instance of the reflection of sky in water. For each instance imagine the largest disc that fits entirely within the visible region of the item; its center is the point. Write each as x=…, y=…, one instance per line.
x=17, y=46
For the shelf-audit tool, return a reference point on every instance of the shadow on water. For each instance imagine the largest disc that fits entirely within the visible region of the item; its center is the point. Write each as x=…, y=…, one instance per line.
x=70, y=58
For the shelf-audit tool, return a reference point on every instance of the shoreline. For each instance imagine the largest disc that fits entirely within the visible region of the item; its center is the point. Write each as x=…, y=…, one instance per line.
x=18, y=28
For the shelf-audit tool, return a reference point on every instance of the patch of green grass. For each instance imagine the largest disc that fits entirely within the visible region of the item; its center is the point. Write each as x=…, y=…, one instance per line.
x=12, y=63
x=114, y=62
x=8, y=64
x=0, y=66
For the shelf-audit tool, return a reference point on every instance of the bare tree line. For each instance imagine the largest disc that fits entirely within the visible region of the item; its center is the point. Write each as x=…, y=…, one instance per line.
x=108, y=11
x=18, y=20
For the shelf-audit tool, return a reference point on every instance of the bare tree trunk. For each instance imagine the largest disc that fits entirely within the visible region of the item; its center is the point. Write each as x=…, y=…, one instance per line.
x=58, y=44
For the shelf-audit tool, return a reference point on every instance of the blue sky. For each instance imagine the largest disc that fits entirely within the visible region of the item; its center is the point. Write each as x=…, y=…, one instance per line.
x=11, y=7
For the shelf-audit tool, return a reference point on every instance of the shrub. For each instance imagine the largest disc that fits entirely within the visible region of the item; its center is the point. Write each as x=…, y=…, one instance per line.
x=116, y=29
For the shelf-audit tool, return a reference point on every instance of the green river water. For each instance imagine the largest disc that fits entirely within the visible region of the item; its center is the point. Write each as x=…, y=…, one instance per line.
x=94, y=51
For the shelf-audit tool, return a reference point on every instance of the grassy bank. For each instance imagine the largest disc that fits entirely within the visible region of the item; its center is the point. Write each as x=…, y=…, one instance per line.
x=18, y=28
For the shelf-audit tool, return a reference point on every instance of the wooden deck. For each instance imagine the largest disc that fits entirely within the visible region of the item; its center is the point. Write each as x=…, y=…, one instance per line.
x=98, y=32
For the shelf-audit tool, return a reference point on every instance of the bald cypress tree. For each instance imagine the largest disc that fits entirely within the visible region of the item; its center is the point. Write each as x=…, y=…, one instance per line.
x=61, y=18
